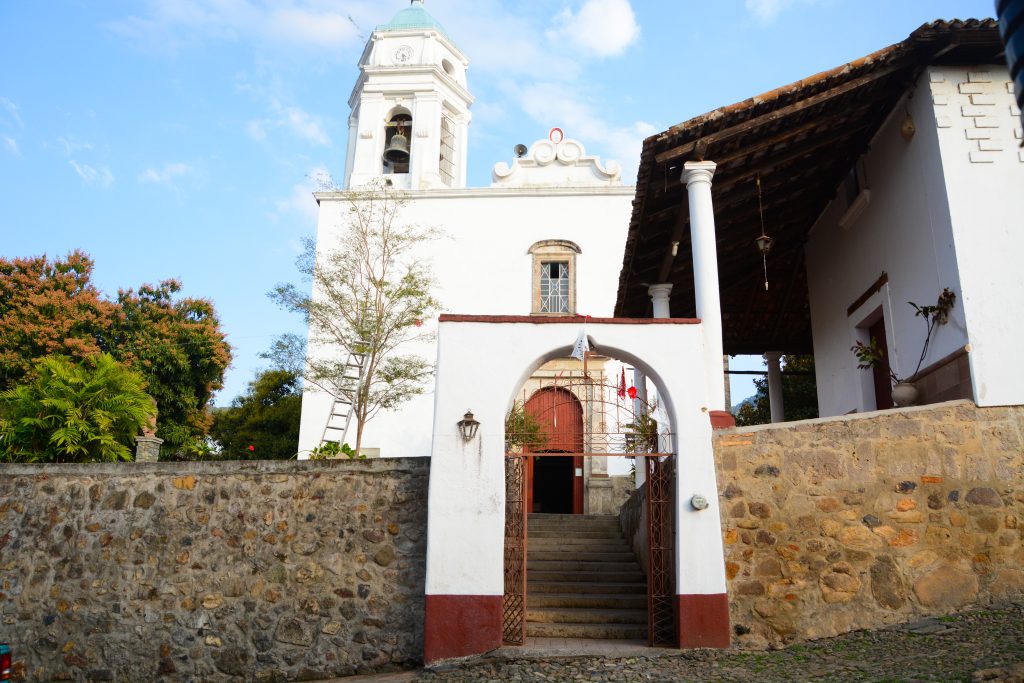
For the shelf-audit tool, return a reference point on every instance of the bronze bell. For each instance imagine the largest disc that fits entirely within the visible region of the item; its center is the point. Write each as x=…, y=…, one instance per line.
x=398, y=150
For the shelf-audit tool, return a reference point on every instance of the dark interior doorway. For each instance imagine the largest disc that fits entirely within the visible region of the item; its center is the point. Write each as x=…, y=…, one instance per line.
x=880, y=372
x=552, y=484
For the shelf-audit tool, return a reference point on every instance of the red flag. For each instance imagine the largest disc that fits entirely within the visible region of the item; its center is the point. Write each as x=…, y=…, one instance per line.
x=622, y=385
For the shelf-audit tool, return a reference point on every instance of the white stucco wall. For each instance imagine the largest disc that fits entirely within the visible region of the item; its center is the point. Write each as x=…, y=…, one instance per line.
x=482, y=267
x=466, y=505
x=979, y=136
x=905, y=231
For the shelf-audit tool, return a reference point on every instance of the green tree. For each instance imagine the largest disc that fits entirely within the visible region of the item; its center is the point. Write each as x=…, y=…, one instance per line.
x=53, y=308
x=799, y=394
x=178, y=347
x=84, y=411
x=371, y=295
x=265, y=418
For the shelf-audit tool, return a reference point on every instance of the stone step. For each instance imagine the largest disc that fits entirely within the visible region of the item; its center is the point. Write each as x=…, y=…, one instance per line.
x=557, y=525
x=566, y=564
x=593, y=545
x=591, y=631
x=552, y=517
x=587, y=587
x=596, y=576
x=587, y=600
x=581, y=556
x=562, y=615
x=574, y=534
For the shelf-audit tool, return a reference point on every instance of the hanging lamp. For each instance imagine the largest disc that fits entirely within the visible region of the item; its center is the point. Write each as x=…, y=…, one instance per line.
x=764, y=242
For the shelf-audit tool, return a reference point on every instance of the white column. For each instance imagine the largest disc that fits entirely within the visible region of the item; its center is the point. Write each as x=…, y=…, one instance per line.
x=775, y=385
x=659, y=299
x=697, y=176
x=639, y=406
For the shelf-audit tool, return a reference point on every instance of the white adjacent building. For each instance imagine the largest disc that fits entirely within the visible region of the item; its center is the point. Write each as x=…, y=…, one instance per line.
x=880, y=182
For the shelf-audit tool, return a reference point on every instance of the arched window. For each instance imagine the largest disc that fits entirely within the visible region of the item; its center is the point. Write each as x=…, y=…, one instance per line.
x=554, y=277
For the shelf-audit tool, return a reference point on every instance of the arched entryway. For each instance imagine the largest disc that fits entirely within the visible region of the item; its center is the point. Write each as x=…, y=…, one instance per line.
x=555, y=484
x=473, y=488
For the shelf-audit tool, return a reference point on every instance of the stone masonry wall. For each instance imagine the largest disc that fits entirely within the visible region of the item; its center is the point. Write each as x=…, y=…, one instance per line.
x=843, y=523
x=231, y=571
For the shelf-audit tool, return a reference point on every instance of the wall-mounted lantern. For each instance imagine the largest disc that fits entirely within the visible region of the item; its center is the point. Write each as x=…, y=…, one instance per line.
x=468, y=426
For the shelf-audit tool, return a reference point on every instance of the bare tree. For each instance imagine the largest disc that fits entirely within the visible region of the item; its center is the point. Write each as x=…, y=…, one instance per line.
x=370, y=295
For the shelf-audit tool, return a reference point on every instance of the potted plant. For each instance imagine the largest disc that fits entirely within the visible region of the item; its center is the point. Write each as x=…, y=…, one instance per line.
x=904, y=392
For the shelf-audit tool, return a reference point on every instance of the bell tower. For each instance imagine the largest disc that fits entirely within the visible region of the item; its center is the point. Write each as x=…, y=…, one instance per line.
x=410, y=107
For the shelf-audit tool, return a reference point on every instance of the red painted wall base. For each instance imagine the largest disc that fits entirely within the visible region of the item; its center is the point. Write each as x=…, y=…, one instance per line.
x=703, y=620
x=722, y=419
x=460, y=625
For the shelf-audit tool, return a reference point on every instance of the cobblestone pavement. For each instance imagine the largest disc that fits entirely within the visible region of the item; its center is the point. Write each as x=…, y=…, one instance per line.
x=985, y=645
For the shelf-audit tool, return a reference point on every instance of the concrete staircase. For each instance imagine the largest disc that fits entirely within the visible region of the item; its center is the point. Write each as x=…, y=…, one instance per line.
x=582, y=580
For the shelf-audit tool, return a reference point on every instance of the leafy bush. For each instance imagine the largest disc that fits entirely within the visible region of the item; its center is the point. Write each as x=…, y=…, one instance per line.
x=87, y=411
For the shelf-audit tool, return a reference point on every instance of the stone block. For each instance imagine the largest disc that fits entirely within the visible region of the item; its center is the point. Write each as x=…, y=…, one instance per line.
x=946, y=587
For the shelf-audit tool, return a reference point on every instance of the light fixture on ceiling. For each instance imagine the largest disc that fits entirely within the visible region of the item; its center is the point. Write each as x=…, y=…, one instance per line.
x=764, y=242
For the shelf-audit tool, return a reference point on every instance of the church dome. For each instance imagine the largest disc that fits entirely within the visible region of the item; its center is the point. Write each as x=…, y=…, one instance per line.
x=413, y=17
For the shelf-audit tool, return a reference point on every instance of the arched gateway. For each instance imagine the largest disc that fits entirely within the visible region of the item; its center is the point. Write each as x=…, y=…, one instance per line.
x=482, y=360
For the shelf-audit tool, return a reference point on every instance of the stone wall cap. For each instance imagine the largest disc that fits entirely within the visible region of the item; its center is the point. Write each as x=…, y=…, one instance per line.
x=848, y=417
x=219, y=467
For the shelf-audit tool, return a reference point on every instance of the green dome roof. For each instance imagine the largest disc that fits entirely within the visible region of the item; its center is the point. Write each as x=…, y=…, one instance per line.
x=413, y=17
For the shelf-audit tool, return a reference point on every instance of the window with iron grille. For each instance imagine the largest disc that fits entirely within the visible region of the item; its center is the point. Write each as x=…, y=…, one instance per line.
x=554, y=287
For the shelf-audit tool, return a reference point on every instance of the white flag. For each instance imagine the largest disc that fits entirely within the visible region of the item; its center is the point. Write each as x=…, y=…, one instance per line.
x=582, y=345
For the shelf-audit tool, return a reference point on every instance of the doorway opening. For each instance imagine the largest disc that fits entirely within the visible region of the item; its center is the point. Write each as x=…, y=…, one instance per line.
x=554, y=484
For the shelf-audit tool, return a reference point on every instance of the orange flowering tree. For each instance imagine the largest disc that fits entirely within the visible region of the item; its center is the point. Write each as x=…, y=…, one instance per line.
x=52, y=308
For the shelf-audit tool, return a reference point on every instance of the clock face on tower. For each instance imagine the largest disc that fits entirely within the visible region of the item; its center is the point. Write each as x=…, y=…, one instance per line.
x=403, y=53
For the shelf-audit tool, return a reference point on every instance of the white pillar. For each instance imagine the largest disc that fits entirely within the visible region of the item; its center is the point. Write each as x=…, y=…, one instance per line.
x=697, y=176
x=775, y=385
x=640, y=406
x=659, y=299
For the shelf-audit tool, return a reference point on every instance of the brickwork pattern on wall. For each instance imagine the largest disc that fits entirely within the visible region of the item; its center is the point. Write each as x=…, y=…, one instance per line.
x=844, y=523
x=210, y=572
x=984, y=107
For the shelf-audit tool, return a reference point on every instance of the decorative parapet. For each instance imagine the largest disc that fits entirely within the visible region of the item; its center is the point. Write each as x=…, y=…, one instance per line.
x=556, y=162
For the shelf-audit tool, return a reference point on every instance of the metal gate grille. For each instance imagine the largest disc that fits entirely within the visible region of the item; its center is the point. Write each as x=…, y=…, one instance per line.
x=514, y=601
x=661, y=582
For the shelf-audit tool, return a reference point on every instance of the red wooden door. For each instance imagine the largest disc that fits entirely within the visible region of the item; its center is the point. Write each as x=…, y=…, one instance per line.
x=560, y=416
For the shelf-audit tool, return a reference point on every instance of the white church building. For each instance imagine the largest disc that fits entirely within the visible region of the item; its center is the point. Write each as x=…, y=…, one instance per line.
x=550, y=204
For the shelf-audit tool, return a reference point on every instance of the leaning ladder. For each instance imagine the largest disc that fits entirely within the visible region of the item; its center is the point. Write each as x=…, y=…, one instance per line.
x=342, y=408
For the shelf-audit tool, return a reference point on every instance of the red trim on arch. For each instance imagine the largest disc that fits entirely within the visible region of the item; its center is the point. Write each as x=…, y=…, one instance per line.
x=460, y=625
x=562, y=320
x=703, y=620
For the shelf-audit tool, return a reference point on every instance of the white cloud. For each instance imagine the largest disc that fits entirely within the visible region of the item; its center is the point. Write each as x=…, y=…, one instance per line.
x=71, y=145
x=767, y=10
x=90, y=175
x=604, y=28
x=12, y=109
x=170, y=25
x=257, y=130
x=166, y=175
x=295, y=119
x=299, y=208
x=12, y=145
x=304, y=27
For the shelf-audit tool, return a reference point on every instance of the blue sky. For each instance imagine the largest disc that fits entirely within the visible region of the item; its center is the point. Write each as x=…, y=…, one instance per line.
x=178, y=138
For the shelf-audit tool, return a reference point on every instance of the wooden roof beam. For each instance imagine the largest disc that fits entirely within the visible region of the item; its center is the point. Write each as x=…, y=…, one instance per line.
x=776, y=115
